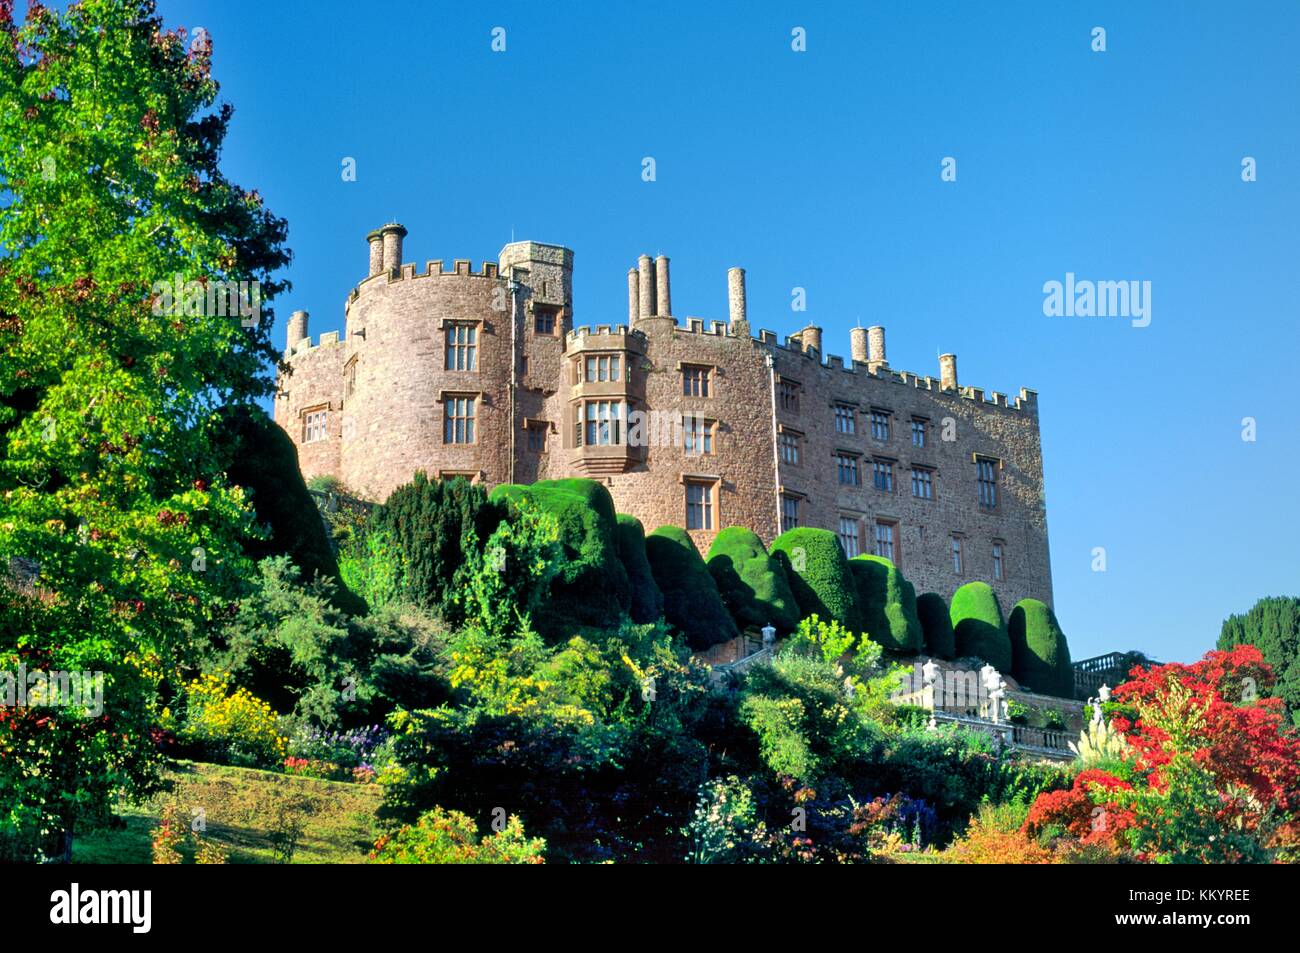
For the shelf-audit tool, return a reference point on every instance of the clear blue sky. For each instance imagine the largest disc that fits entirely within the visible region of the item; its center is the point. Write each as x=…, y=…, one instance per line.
x=821, y=170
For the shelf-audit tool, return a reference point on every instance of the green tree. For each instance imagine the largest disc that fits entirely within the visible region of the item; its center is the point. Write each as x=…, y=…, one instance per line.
x=111, y=460
x=752, y=583
x=977, y=624
x=419, y=536
x=1040, y=656
x=1273, y=626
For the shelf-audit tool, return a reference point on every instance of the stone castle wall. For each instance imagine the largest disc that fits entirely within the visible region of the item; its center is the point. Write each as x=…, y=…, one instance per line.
x=386, y=383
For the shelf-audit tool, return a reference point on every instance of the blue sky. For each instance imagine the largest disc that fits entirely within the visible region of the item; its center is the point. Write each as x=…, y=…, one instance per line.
x=821, y=170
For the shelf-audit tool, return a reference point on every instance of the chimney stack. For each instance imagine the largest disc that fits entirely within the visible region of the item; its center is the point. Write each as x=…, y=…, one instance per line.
x=736, y=297
x=858, y=345
x=665, y=307
x=376, y=240
x=811, y=339
x=646, y=281
x=633, y=296
x=296, y=331
x=948, y=371
x=876, y=347
x=393, y=235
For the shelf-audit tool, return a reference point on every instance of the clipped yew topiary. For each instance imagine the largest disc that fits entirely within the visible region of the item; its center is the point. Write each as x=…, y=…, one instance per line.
x=819, y=575
x=977, y=624
x=936, y=626
x=592, y=588
x=264, y=462
x=691, y=600
x=1040, y=657
x=647, y=602
x=752, y=584
x=888, y=604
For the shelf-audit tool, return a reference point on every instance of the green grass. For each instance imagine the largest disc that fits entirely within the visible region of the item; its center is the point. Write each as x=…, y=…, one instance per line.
x=244, y=808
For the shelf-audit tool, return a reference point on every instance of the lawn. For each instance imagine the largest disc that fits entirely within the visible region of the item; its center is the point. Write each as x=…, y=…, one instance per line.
x=248, y=813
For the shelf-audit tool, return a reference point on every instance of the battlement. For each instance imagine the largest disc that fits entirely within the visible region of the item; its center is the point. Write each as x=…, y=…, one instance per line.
x=304, y=346
x=601, y=336
x=460, y=267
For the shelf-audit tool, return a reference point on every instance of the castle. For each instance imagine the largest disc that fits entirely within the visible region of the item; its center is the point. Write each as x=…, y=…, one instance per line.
x=695, y=423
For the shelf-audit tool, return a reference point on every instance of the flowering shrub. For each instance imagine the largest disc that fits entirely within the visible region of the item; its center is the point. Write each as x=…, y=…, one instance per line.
x=1084, y=812
x=313, y=768
x=1212, y=776
x=235, y=728
x=358, y=748
x=724, y=825
x=989, y=841
x=450, y=837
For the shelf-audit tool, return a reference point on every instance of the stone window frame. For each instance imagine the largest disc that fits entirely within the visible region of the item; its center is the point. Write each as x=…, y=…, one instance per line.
x=932, y=483
x=477, y=398
x=306, y=412
x=855, y=457
x=615, y=367
x=957, y=553
x=620, y=420
x=988, y=488
x=921, y=426
x=710, y=504
x=708, y=434
x=790, y=500
x=895, y=526
x=474, y=476
x=890, y=465
x=795, y=444
x=843, y=411
x=704, y=375
x=998, y=552
x=788, y=393
x=448, y=349
x=533, y=425
x=856, y=519
x=541, y=312
x=881, y=418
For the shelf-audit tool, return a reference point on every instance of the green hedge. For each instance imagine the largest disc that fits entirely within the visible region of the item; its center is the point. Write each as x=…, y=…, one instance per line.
x=264, y=461
x=752, y=583
x=691, y=600
x=888, y=604
x=647, y=603
x=819, y=575
x=593, y=587
x=977, y=624
x=936, y=626
x=1040, y=657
